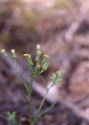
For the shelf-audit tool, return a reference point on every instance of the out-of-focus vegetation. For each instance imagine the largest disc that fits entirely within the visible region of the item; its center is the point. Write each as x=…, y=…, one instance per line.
x=18, y=19
x=63, y=4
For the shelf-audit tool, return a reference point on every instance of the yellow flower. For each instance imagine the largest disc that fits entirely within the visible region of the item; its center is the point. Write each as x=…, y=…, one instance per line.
x=38, y=66
x=26, y=55
x=46, y=56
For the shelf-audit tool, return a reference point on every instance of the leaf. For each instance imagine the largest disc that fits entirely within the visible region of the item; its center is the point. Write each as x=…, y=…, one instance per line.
x=56, y=77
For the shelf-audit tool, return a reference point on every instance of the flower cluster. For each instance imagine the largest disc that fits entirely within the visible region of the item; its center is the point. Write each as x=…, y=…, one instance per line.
x=40, y=65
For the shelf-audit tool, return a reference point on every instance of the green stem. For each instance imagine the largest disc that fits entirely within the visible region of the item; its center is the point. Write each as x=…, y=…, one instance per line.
x=20, y=77
x=41, y=105
x=46, y=110
x=30, y=101
x=42, y=113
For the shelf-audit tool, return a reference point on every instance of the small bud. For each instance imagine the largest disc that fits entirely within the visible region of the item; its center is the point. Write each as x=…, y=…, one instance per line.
x=38, y=66
x=26, y=55
x=29, y=59
x=38, y=46
x=38, y=54
x=3, y=51
x=13, y=53
x=46, y=56
x=45, y=59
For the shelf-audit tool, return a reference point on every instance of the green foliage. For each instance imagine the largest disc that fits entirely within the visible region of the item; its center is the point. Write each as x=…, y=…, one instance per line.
x=39, y=66
x=36, y=68
x=56, y=77
x=11, y=118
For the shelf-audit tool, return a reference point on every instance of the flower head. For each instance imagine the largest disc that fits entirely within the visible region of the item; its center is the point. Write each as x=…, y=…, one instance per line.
x=13, y=51
x=38, y=46
x=26, y=55
x=3, y=50
x=38, y=66
x=46, y=56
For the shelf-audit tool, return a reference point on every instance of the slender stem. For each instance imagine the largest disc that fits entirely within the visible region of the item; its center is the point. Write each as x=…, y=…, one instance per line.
x=30, y=101
x=42, y=113
x=41, y=105
x=46, y=110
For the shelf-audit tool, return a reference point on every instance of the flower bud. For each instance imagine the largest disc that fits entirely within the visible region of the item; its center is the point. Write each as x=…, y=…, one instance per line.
x=3, y=51
x=38, y=46
x=29, y=59
x=38, y=66
x=46, y=56
x=13, y=53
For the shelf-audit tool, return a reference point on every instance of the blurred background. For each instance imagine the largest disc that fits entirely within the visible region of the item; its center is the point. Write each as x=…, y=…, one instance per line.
x=61, y=27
